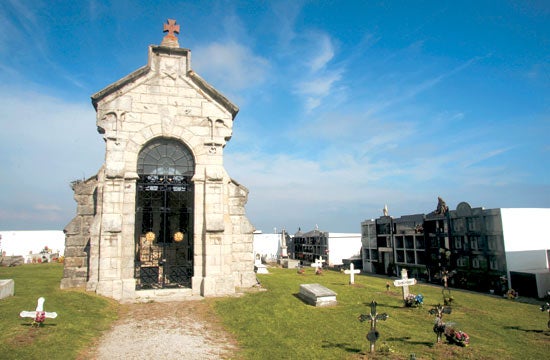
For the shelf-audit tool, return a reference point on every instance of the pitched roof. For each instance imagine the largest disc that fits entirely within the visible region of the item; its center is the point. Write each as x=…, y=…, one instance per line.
x=193, y=76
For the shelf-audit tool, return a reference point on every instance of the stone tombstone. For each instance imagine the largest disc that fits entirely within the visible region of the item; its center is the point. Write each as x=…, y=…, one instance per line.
x=317, y=295
x=7, y=288
x=162, y=216
x=284, y=248
x=289, y=263
x=259, y=267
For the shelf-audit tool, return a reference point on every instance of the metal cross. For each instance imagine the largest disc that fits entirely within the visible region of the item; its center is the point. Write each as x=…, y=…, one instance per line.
x=439, y=327
x=445, y=275
x=172, y=28
x=373, y=317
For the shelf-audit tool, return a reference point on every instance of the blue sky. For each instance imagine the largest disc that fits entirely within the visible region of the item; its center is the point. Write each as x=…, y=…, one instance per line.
x=345, y=106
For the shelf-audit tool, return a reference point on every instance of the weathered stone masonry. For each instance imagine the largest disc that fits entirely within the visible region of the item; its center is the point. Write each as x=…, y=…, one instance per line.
x=164, y=99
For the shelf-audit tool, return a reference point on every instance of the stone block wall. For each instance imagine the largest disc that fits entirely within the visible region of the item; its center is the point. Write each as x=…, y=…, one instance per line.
x=242, y=244
x=165, y=99
x=77, y=234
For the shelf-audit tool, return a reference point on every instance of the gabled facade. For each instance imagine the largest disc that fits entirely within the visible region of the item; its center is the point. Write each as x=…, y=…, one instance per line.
x=162, y=215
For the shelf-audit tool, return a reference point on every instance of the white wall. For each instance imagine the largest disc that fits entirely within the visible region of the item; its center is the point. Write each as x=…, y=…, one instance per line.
x=343, y=246
x=543, y=284
x=268, y=245
x=525, y=229
x=526, y=260
x=25, y=242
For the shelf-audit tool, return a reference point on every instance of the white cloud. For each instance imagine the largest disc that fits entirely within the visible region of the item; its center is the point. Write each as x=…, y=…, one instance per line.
x=47, y=207
x=230, y=65
x=324, y=55
x=319, y=86
x=46, y=143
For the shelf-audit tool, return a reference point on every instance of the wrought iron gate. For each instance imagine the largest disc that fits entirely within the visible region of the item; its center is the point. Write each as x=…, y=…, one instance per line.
x=164, y=213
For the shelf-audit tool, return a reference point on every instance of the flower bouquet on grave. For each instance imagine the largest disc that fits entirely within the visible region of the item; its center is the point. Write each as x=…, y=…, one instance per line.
x=511, y=294
x=319, y=271
x=457, y=337
x=414, y=300
x=447, y=297
x=39, y=318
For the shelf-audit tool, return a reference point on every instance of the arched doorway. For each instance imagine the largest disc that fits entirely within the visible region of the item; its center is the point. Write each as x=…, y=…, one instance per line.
x=164, y=215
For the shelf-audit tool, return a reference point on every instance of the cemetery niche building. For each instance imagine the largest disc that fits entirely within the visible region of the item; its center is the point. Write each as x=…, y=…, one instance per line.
x=333, y=248
x=489, y=250
x=162, y=218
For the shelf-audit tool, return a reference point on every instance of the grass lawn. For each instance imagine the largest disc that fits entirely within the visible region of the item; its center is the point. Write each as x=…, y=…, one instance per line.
x=81, y=316
x=275, y=324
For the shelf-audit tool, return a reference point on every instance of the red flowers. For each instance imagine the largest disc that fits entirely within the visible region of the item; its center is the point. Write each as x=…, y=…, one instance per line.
x=40, y=317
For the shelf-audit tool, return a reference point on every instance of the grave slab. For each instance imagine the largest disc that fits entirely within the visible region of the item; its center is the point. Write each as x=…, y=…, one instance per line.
x=317, y=295
x=259, y=267
x=7, y=287
x=290, y=263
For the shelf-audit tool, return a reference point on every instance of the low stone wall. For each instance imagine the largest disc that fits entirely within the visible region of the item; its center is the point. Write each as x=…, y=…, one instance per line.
x=12, y=260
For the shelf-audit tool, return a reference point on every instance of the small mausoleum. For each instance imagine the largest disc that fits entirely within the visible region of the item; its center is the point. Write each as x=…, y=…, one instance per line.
x=162, y=218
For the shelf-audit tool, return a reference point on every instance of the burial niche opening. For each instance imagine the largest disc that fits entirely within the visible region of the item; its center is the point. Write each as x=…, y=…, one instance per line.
x=164, y=215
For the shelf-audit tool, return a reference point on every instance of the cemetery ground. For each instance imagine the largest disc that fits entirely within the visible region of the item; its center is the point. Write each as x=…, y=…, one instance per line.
x=274, y=323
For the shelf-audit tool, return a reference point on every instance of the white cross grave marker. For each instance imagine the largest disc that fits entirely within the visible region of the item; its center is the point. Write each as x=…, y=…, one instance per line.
x=39, y=315
x=318, y=264
x=404, y=283
x=352, y=273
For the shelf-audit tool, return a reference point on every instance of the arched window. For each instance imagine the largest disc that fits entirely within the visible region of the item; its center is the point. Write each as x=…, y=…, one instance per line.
x=164, y=215
x=165, y=157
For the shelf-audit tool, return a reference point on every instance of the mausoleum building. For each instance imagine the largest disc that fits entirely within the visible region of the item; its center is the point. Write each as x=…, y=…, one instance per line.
x=162, y=216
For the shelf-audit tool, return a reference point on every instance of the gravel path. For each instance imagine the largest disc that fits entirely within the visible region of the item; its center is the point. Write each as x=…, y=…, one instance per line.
x=174, y=330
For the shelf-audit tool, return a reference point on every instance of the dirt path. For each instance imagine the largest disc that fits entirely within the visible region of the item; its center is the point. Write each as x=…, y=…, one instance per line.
x=167, y=330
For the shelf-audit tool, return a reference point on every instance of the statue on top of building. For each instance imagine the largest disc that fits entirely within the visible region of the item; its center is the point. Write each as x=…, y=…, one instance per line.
x=442, y=207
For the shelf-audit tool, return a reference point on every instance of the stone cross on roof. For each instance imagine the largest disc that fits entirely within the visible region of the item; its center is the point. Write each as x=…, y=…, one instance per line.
x=170, y=40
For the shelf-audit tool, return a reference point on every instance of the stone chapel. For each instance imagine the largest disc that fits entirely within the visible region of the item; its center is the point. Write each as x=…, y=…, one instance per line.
x=162, y=218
